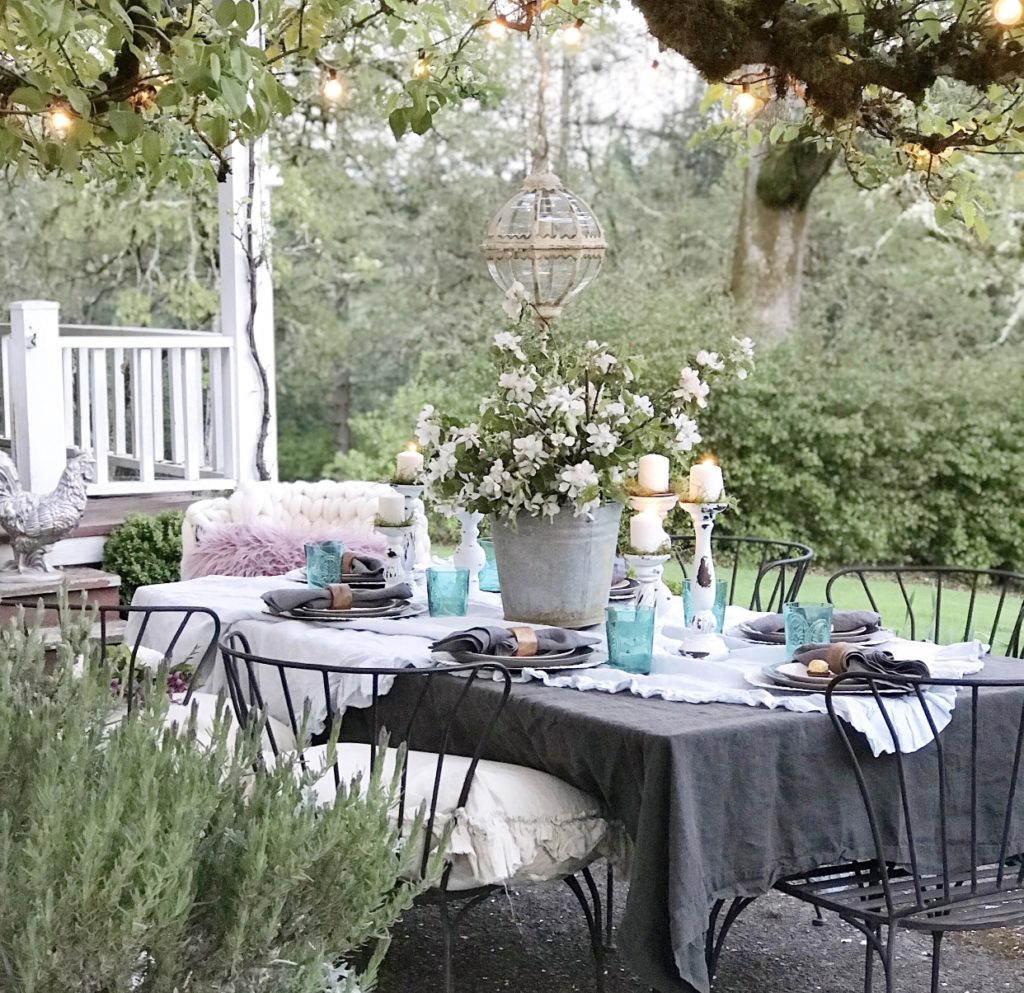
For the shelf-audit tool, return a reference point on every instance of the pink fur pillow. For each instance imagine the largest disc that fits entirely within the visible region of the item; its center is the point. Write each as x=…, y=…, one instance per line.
x=260, y=548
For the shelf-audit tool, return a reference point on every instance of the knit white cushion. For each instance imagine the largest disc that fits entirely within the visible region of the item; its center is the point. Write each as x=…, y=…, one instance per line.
x=299, y=506
x=519, y=825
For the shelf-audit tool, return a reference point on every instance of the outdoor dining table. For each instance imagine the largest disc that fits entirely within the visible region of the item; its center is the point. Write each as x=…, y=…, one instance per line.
x=719, y=801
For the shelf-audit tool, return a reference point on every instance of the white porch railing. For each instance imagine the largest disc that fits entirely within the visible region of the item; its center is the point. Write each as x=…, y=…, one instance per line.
x=158, y=408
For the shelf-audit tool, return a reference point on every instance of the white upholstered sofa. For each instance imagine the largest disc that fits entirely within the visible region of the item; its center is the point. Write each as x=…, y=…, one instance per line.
x=298, y=506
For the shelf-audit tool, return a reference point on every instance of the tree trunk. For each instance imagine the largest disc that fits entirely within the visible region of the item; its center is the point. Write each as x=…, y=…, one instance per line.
x=767, y=272
x=343, y=405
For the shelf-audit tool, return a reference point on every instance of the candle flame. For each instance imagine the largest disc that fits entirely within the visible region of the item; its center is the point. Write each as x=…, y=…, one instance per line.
x=412, y=447
x=709, y=460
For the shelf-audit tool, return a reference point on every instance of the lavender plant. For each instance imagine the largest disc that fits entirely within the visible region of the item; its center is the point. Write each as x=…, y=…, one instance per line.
x=131, y=859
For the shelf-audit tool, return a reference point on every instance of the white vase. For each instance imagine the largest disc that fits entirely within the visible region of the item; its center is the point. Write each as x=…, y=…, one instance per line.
x=470, y=553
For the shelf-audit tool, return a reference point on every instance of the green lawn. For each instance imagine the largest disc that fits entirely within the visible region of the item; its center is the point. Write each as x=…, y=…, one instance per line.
x=849, y=595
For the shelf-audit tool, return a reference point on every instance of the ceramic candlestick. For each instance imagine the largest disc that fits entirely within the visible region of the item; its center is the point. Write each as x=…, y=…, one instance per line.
x=702, y=639
x=470, y=553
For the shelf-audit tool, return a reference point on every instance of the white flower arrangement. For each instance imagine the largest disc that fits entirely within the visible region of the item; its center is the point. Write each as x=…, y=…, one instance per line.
x=564, y=427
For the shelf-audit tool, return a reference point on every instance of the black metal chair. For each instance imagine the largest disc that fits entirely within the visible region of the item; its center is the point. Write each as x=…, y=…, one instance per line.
x=426, y=726
x=942, y=586
x=780, y=565
x=109, y=630
x=955, y=871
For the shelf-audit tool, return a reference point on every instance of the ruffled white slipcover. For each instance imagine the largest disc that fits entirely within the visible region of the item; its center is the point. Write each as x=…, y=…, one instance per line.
x=519, y=825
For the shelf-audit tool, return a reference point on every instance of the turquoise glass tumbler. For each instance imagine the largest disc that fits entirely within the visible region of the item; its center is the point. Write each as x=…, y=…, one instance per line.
x=323, y=562
x=806, y=624
x=630, y=632
x=447, y=592
x=721, y=599
x=488, y=577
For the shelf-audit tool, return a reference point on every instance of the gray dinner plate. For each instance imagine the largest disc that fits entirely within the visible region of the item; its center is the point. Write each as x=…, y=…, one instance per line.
x=811, y=684
x=580, y=658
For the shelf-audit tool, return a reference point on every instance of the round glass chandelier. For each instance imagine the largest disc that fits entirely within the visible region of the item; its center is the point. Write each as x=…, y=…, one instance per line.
x=548, y=241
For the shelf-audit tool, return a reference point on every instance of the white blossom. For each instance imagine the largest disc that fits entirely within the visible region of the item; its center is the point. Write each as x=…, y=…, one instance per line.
x=564, y=401
x=643, y=404
x=741, y=373
x=711, y=360
x=428, y=432
x=744, y=348
x=575, y=478
x=515, y=296
x=443, y=463
x=605, y=361
x=496, y=480
x=509, y=342
x=692, y=388
x=529, y=449
x=687, y=434
x=520, y=385
x=469, y=436
x=601, y=438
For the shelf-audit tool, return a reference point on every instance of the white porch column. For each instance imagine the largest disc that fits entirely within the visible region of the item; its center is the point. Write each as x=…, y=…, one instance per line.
x=244, y=248
x=37, y=394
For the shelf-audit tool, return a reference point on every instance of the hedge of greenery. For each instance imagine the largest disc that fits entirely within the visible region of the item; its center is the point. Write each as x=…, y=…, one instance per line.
x=870, y=457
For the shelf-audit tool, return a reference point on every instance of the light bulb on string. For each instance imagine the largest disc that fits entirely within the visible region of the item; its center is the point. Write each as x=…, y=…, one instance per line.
x=1008, y=13
x=60, y=120
x=746, y=104
x=571, y=36
x=496, y=29
x=332, y=87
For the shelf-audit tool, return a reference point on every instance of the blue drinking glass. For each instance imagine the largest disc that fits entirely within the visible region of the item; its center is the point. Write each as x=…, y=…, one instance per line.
x=721, y=599
x=323, y=562
x=806, y=624
x=488, y=577
x=630, y=631
x=447, y=591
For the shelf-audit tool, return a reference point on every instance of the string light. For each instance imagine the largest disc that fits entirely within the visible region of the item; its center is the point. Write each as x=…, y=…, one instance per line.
x=421, y=68
x=572, y=35
x=496, y=29
x=60, y=120
x=332, y=87
x=746, y=104
x=1008, y=12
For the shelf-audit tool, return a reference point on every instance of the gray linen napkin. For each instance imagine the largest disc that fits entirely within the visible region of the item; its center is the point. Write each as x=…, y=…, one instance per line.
x=847, y=625
x=492, y=640
x=320, y=599
x=619, y=570
x=842, y=657
x=362, y=565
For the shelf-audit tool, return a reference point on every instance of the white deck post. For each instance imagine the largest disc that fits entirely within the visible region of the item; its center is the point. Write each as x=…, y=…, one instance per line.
x=246, y=401
x=37, y=392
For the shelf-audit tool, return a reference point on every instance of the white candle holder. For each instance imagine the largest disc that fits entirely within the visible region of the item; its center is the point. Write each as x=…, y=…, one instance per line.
x=412, y=492
x=470, y=554
x=702, y=638
x=401, y=555
x=648, y=570
x=660, y=503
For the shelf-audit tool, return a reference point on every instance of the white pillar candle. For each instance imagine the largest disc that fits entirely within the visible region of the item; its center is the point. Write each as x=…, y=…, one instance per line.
x=653, y=475
x=706, y=484
x=408, y=466
x=646, y=535
x=391, y=508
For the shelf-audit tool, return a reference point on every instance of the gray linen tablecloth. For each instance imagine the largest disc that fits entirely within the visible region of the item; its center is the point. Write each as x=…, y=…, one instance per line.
x=720, y=801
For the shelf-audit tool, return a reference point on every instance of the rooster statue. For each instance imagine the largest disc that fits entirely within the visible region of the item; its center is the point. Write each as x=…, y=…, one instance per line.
x=35, y=521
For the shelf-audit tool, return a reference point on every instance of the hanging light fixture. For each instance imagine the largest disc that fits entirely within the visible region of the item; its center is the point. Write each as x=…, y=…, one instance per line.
x=545, y=239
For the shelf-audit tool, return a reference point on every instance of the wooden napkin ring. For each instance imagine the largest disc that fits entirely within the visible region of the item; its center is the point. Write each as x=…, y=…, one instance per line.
x=341, y=596
x=346, y=563
x=526, y=641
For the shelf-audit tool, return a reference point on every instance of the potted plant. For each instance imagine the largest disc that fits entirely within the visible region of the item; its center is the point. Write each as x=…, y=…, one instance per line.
x=549, y=458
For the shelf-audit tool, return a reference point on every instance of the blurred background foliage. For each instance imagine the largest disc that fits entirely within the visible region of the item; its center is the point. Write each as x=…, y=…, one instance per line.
x=886, y=426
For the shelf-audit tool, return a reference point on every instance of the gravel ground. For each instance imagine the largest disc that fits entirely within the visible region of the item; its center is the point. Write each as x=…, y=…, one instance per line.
x=534, y=939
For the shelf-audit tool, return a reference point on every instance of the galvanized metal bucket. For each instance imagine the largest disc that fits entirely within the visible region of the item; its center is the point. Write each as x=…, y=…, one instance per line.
x=557, y=570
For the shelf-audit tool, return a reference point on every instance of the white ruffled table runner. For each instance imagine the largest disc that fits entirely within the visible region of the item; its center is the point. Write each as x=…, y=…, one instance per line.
x=384, y=643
